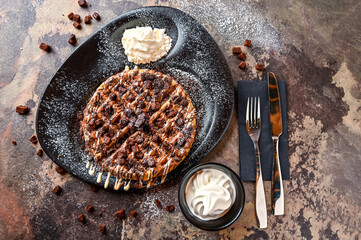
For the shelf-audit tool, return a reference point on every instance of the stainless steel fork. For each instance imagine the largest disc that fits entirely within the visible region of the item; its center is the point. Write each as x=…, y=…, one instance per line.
x=253, y=124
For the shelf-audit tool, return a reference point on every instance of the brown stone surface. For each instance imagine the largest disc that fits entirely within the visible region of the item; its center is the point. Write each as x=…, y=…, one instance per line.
x=313, y=45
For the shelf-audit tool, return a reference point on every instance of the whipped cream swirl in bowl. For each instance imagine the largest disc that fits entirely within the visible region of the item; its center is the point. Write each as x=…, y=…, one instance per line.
x=211, y=196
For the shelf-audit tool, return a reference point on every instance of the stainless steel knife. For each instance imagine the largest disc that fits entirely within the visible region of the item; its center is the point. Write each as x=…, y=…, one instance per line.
x=276, y=126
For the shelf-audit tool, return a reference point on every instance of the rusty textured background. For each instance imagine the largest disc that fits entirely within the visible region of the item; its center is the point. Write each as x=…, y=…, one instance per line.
x=314, y=45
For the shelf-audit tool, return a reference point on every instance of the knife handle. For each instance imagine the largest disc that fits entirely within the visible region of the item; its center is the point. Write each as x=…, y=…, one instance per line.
x=278, y=204
x=261, y=208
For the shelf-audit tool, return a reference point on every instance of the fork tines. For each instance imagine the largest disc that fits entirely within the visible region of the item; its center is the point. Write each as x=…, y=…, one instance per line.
x=251, y=119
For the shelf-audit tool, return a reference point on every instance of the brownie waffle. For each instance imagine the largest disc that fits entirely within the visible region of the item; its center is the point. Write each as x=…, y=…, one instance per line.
x=139, y=125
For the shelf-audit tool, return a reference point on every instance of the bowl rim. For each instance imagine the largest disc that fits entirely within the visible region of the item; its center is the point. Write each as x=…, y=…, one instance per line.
x=239, y=197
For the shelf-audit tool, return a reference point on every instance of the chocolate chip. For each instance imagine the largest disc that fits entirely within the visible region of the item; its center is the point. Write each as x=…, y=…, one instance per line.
x=158, y=203
x=242, y=65
x=147, y=84
x=181, y=141
x=159, y=122
x=150, y=162
x=242, y=56
x=180, y=121
x=139, y=139
x=131, y=98
x=81, y=218
x=98, y=123
x=113, y=96
x=96, y=16
x=170, y=208
x=128, y=112
x=33, y=139
x=141, y=104
x=171, y=113
x=158, y=84
x=45, y=47
x=184, y=103
x=89, y=208
x=60, y=170
x=72, y=39
x=39, y=152
x=155, y=106
x=140, y=121
x=133, y=213
x=102, y=229
x=77, y=25
x=88, y=19
x=71, y=16
x=57, y=190
x=22, y=109
x=14, y=142
x=82, y=3
x=260, y=66
x=155, y=138
x=248, y=43
x=120, y=214
x=109, y=111
x=135, y=148
x=77, y=18
x=236, y=50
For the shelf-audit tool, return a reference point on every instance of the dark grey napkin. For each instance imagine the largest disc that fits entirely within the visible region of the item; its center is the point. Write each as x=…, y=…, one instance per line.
x=247, y=158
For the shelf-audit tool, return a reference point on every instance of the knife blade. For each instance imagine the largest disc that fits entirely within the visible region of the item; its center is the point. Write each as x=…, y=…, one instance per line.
x=276, y=129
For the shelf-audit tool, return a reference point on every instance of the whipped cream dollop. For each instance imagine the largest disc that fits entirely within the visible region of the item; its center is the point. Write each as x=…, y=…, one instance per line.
x=145, y=45
x=210, y=193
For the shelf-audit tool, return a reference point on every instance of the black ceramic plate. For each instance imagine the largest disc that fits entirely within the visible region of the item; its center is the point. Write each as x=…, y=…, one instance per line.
x=194, y=59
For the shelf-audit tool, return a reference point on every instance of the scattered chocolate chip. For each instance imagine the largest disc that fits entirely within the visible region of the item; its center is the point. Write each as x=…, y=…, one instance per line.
x=133, y=213
x=242, y=65
x=158, y=203
x=14, y=142
x=39, y=152
x=72, y=39
x=102, y=229
x=89, y=208
x=33, y=139
x=81, y=218
x=120, y=214
x=45, y=47
x=96, y=16
x=77, y=25
x=242, y=56
x=248, y=43
x=88, y=19
x=260, y=66
x=82, y=3
x=236, y=50
x=71, y=16
x=57, y=190
x=169, y=208
x=93, y=188
x=60, y=170
x=77, y=18
x=22, y=109
x=98, y=123
x=90, y=5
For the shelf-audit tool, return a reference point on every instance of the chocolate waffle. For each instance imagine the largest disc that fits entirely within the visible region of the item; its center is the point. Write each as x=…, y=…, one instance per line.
x=139, y=125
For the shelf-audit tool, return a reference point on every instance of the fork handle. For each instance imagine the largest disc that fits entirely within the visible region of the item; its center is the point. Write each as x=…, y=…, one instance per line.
x=261, y=208
x=278, y=204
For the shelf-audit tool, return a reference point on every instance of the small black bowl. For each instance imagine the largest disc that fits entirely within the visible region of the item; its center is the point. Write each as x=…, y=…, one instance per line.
x=230, y=217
